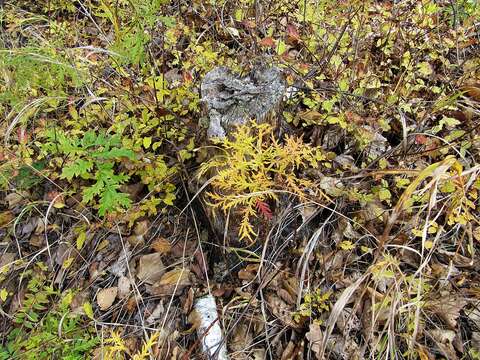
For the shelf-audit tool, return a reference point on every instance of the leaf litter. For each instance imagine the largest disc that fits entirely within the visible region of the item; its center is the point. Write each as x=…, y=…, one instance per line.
x=341, y=224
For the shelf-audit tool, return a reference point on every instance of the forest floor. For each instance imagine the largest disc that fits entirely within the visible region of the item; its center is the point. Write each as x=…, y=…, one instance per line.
x=345, y=226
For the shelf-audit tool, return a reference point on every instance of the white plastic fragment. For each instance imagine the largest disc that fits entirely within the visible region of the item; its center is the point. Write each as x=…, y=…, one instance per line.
x=209, y=330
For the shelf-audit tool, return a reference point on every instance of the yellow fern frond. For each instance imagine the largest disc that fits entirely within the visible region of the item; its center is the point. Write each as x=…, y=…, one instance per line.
x=256, y=166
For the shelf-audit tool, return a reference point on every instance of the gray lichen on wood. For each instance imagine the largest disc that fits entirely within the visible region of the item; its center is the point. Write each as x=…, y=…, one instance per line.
x=231, y=99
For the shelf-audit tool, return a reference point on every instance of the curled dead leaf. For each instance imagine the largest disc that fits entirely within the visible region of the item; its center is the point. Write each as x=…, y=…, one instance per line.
x=281, y=310
x=249, y=272
x=472, y=92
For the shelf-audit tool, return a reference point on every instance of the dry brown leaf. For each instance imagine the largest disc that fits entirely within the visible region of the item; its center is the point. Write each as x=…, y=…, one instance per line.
x=106, y=297
x=315, y=338
x=141, y=227
x=188, y=301
x=180, y=276
x=5, y=218
x=285, y=296
x=171, y=283
x=156, y=313
x=136, y=240
x=78, y=300
x=14, y=199
x=131, y=304
x=267, y=42
x=473, y=92
x=311, y=116
x=448, y=308
x=423, y=353
x=443, y=340
x=7, y=259
x=281, y=310
x=37, y=240
x=249, y=272
x=289, y=352
x=292, y=32
x=161, y=246
x=123, y=287
x=240, y=340
x=150, y=268
x=476, y=233
x=291, y=285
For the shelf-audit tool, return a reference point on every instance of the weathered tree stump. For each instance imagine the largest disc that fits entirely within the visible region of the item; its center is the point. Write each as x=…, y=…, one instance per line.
x=232, y=100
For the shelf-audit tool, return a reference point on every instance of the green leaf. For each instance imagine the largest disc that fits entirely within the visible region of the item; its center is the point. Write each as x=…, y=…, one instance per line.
x=169, y=198
x=115, y=153
x=281, y=48
x=343, y=85
x=424, y=69
x=384, y=194
x=79, y=168
x=111, y=200
x=90, y=192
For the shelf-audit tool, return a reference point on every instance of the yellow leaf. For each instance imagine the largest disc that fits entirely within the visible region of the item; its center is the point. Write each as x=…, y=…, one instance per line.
x=66, y=264
x=147, y=141
x=347, y=245
x=3, y=294
x=87, y=307
x=81, y=240
x=178, y=276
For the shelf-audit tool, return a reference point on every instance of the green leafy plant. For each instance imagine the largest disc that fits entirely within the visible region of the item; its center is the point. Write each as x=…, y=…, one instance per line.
x=254, y=167
x=132, y=23
x=46, y=326
x=93, y=157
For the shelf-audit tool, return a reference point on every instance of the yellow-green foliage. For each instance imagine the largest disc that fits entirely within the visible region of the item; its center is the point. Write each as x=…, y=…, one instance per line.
x=313, y=305
x=117, y=349
x=254, y=167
